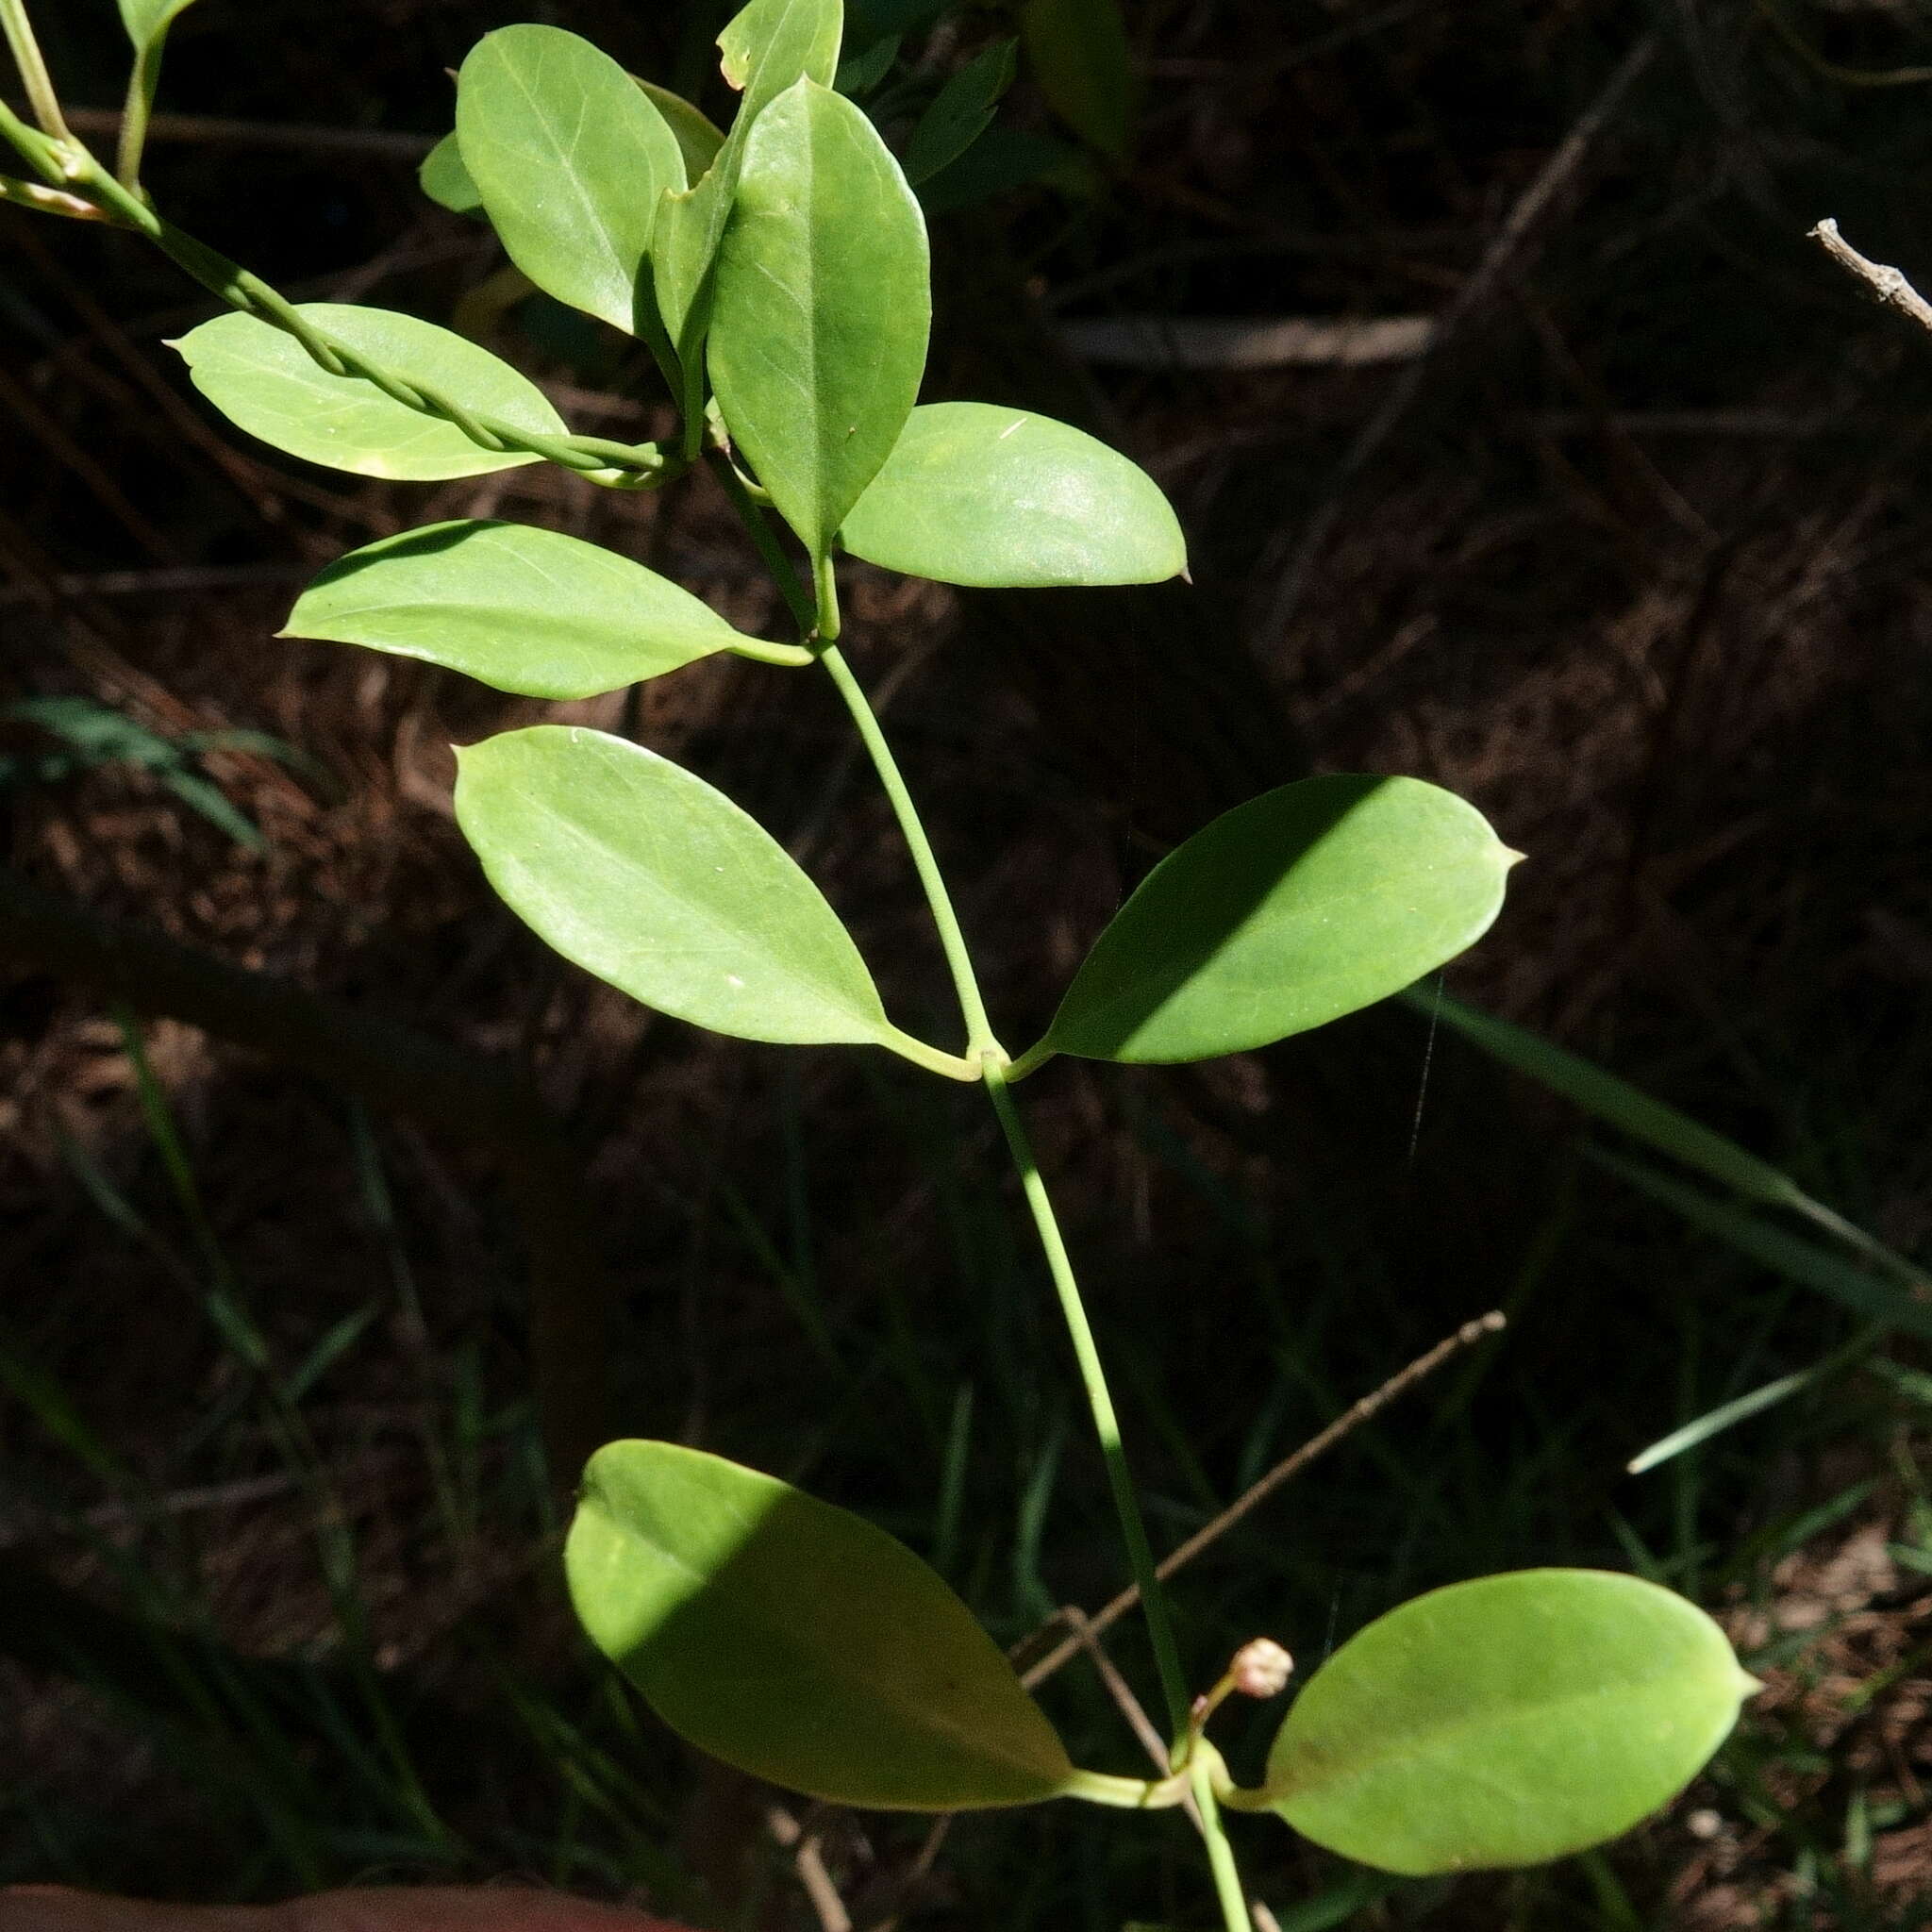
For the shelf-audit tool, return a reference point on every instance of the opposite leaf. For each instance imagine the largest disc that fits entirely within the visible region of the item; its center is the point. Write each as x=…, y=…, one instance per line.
x=523, y=610
x=444, y=179
x=1286, y=913
x=570, y=157
x=1505, y=1722
x=1000, y=498
x=265, y=382
x=821, y=309
x=798, y=1643
x=145, y=20
x=648, y=878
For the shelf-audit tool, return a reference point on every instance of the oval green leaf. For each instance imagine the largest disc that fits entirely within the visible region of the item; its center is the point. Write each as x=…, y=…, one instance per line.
x=1003, y=499
x=444, y=179
x=797, y=1642
x=648, y=878
x=147, y=19
x=1505, y=1722
x=1285, y=914
x=521, y=608
x=263, y=381
x=821, y=309
x=571, y=158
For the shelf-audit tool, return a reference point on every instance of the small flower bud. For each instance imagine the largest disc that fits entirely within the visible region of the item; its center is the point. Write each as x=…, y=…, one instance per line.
x=1261, y=1669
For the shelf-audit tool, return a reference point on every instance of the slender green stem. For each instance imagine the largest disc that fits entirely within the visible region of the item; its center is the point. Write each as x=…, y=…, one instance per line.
x=1129, y=1794
x=33, y=69
x=1126, y=1504
x=826, y=582
x=615, y=465
x=980, y=1043
x=797, y=599
x=142, y=85
x=1227, y=1878
x=1031, y=1060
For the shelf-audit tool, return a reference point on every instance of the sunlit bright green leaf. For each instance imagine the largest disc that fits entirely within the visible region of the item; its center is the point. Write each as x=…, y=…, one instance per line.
x=823, y=307
x=1078, y=52
x=975, y=494
x=145, y=19
x=446, y=181
x=1505, y=1722
x=767, y=48
x=798, y=1643
x=265, y=382
x=648, y=878
x=521, y=608
x=962, y=111
x=571, y=158
x=1286, y=913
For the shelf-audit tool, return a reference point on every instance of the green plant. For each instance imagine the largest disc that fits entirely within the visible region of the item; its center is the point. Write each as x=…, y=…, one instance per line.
x=777, y=272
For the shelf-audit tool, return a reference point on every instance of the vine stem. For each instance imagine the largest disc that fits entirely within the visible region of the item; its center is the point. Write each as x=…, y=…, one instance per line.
x=1167, y=1659
x=980, y=1043
x=1228, y=1889
x=34, y=76
x=144, y=84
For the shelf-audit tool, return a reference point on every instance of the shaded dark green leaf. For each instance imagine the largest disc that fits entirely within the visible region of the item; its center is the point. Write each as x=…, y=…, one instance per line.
x=797, y=1642
x=962, y=111
x=1303, y=904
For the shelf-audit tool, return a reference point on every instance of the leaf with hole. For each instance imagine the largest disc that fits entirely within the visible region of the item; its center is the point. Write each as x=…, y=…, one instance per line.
x=146, y=21
x=1078, y=53
x=570, y=157
x=645, y=875
x=263, y=381
x=767, y=48
x=1303, y=904
x=962, y=111
x=523, y=609
x=444, y=179
x=977, y=494
x=797, y=1642
x=821, y=309
x=1505, y=1722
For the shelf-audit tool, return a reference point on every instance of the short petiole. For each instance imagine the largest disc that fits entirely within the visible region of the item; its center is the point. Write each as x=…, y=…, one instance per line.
x=1129, y=1794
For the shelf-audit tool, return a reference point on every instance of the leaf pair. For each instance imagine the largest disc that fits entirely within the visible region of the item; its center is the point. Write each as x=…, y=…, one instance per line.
x=1305, y=904
x=1499, y=1723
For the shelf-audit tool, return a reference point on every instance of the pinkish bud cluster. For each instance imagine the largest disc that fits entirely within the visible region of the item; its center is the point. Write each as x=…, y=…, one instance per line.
x=1261, y=1669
